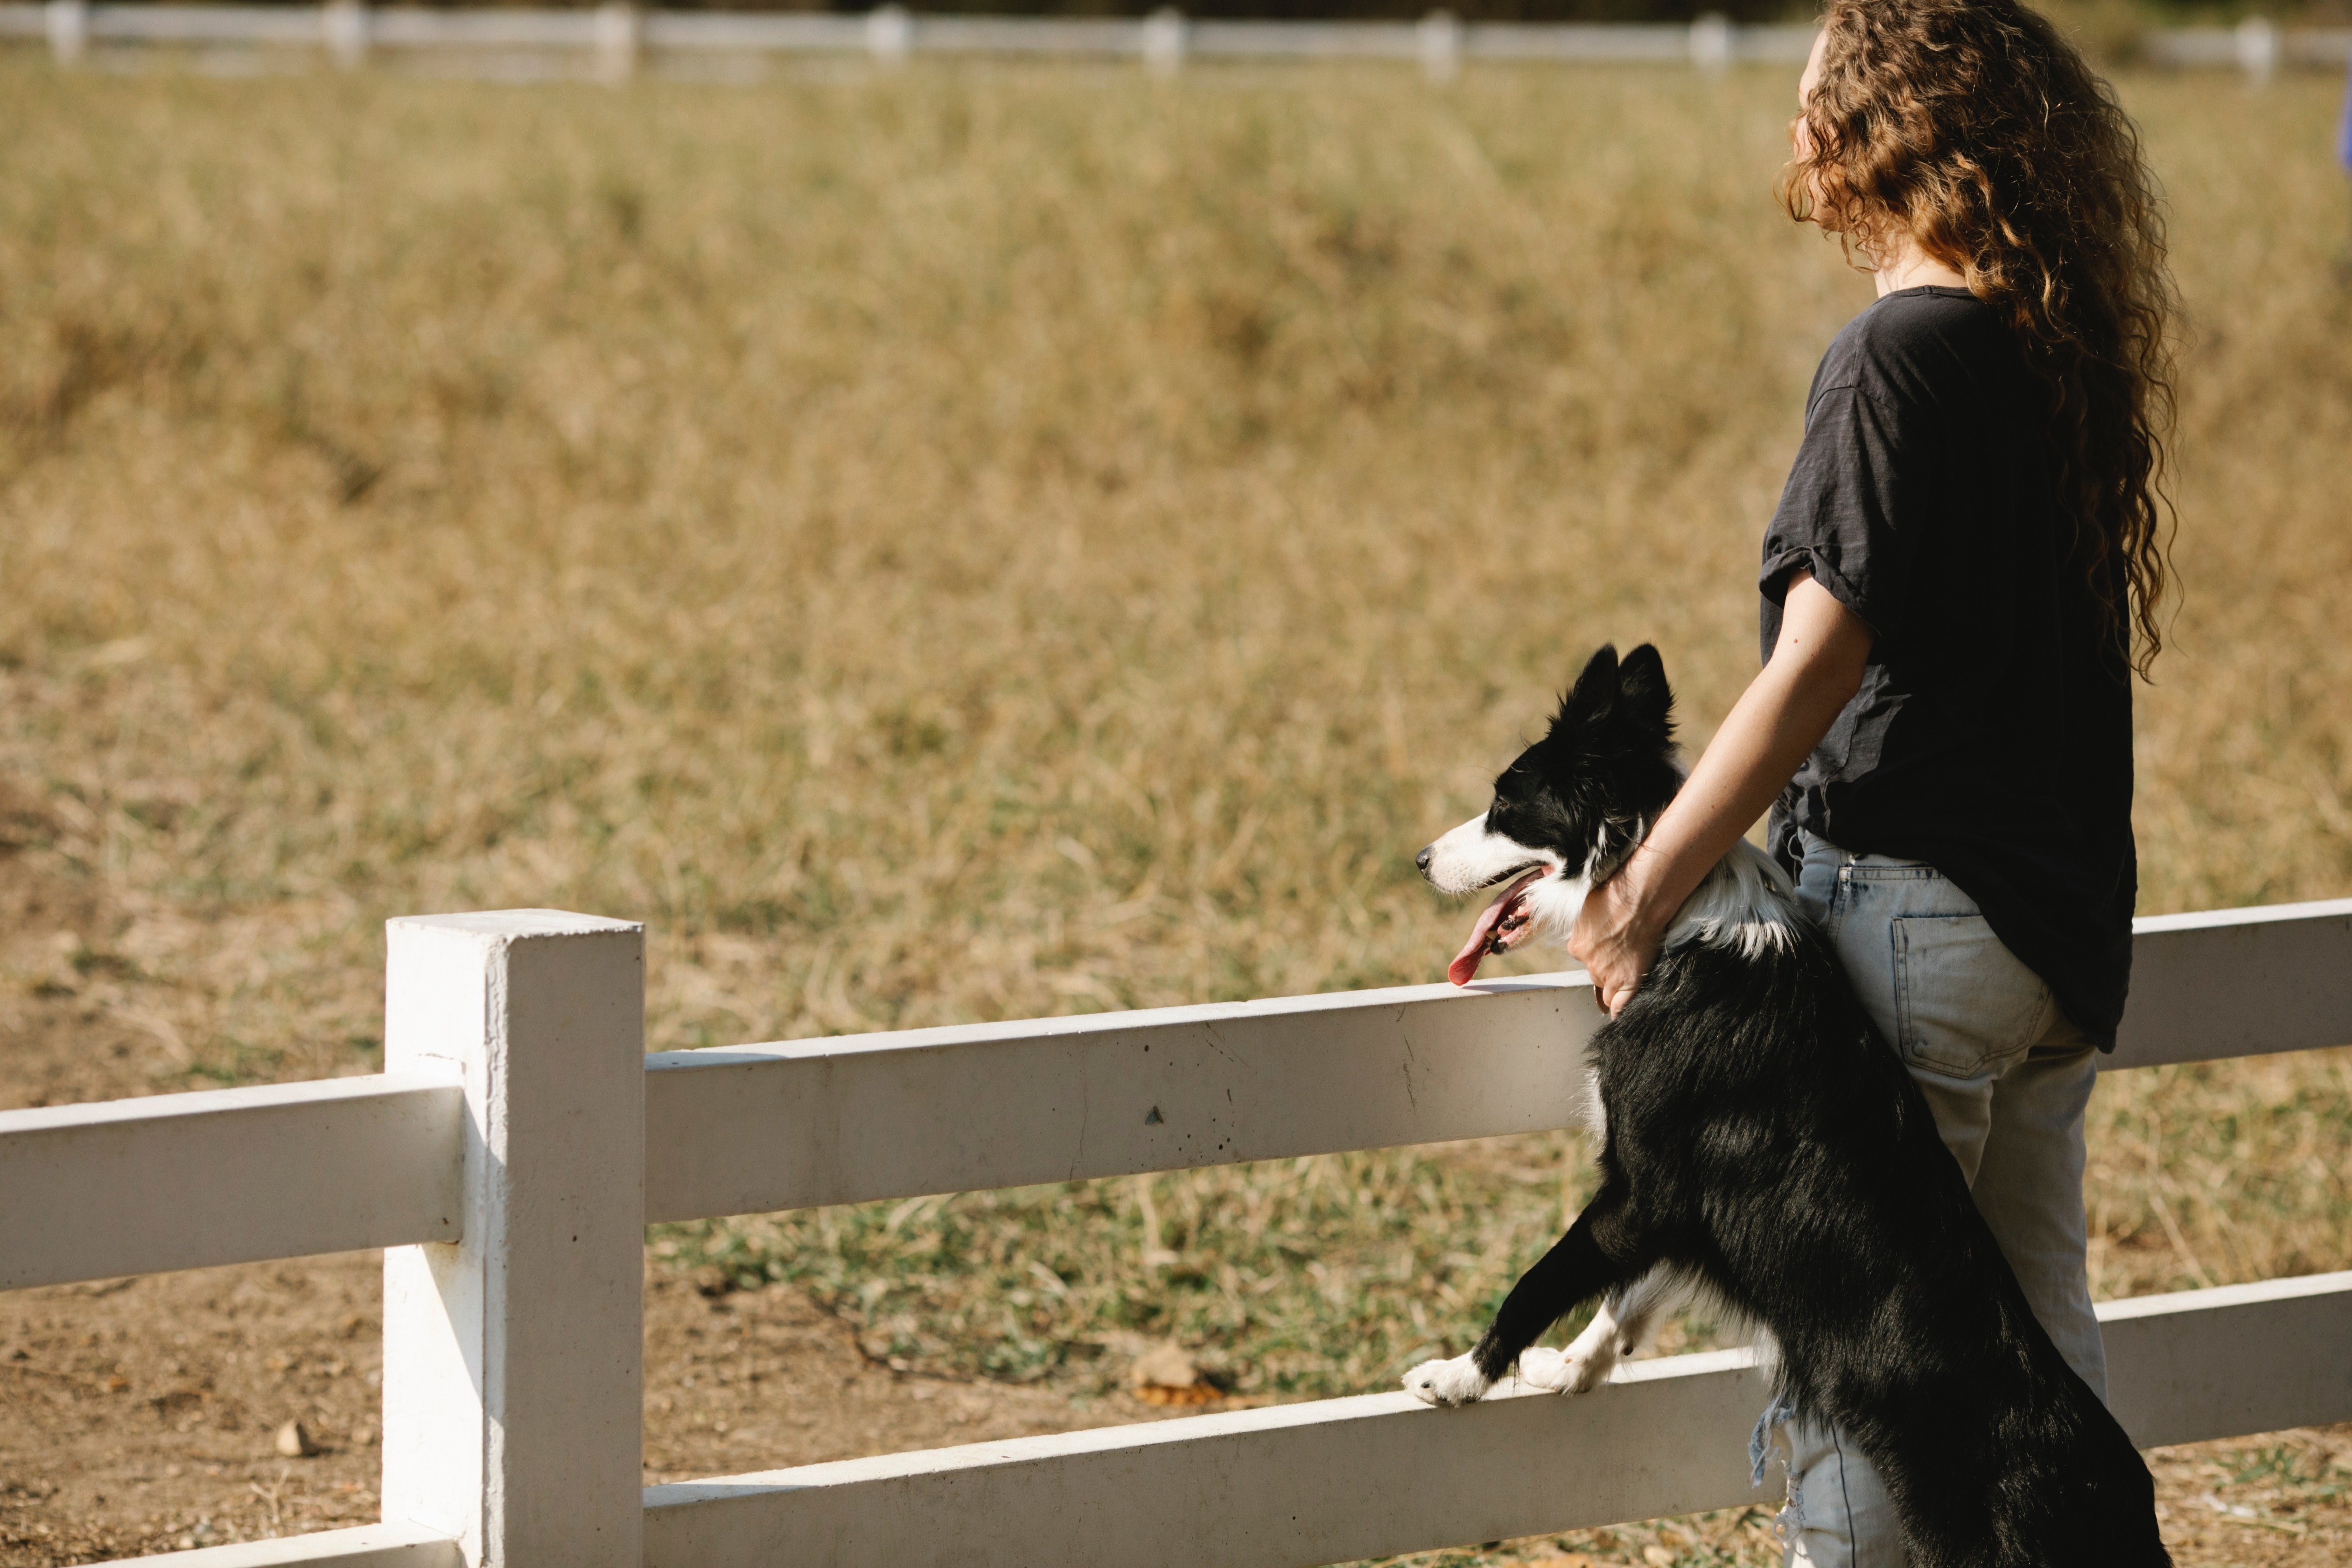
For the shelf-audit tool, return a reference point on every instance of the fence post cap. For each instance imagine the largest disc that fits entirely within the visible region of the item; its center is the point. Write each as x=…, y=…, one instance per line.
x=516, y=922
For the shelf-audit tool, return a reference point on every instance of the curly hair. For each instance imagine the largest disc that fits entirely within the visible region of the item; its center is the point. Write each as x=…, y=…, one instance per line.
x=1972, y=128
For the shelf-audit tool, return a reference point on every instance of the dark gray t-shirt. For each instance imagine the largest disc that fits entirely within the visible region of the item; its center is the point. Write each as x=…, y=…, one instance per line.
x=1992, y=737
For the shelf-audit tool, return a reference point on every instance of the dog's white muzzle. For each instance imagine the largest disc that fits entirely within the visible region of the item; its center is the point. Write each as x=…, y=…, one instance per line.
x=1469, y=858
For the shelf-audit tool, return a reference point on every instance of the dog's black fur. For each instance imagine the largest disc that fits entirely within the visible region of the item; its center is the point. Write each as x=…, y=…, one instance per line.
x=1763, y=1139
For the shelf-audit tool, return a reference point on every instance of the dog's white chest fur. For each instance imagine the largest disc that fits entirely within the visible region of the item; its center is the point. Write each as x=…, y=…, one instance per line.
x=1746, y=903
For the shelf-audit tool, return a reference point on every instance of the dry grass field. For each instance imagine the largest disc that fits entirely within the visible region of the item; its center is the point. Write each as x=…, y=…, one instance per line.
x=990, y=542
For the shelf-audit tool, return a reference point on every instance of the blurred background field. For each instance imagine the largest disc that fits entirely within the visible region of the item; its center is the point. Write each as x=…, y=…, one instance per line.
x=981, y=544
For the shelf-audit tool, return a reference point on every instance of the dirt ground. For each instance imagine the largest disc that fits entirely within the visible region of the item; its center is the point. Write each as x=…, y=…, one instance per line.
x=140, y=1415
x=144, y=1415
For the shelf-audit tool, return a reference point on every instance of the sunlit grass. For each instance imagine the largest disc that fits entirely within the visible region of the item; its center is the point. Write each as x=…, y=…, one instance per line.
x=1306, y=1278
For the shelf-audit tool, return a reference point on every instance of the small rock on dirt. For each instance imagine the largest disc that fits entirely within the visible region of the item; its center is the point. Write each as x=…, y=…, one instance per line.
x=294, y=1441
x=1164, y=1366
x=1167, y=1375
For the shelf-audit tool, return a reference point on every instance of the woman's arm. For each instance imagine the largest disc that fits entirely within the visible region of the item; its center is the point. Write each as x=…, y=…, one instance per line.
x=1816, y=668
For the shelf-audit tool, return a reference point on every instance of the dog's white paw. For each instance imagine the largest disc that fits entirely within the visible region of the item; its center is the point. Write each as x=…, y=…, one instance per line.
x=1456, y=1381
x=1540, y=1366
x=1579, y=1369
x=1585, y=1368
x=1593, y=1354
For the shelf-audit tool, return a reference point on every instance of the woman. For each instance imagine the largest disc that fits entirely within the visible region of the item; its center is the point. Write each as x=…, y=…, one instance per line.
x=1962, y=576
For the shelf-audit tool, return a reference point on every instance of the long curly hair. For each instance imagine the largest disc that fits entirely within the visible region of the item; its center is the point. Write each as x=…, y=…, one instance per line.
x=1974, y=129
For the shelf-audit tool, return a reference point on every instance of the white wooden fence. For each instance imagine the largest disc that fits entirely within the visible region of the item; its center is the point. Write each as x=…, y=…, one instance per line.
x=512, y=1154
x=614, y=40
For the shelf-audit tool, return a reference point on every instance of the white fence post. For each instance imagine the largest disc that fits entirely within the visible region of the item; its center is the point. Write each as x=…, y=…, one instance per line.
x=68, y=28
x=1164, y=41
x=344, y=24
x=513, y=1365
x=2258, y=49
x=1710, y=42
x=618, y=31
x=1439, y=36
x=889, y=34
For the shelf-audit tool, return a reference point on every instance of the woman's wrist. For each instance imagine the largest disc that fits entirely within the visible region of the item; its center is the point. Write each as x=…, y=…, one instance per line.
x=1638, y=882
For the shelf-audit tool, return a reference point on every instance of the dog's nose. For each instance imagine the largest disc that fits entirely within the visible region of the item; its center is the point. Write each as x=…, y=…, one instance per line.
x=1420, y=862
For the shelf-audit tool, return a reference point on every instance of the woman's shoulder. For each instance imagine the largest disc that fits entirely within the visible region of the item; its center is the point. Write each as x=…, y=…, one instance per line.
x=1922, y=345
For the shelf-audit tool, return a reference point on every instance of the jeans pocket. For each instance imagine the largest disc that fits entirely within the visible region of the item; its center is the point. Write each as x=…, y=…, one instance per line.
x=1964, y=1004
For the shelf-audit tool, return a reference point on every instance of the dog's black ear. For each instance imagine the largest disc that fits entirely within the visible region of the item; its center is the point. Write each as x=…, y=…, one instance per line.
x=1595, y=692
x=1648, y=701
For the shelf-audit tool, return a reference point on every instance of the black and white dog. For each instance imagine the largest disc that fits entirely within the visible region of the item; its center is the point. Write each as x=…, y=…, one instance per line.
x=1761, y=1143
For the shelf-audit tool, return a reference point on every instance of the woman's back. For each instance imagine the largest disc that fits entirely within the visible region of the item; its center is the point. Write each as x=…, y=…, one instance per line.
x=1992, y=736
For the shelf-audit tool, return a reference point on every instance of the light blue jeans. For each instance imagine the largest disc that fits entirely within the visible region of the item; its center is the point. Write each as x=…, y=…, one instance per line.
x=2008, y=1078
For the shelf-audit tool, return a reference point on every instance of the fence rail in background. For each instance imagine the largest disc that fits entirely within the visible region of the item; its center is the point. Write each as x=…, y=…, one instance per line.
x=500, y=1160
x=615, y=40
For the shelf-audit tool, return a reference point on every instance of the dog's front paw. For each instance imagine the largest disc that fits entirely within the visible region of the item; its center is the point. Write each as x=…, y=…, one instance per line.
x=1584, y=1369
x=1590, y=1358
x=1540, y=1366
x=1579, y=1369
x=1456, y=1381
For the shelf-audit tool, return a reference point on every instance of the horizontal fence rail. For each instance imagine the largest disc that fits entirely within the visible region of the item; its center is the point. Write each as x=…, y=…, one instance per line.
x=2232, y=1359
x=2222, y=984
x=368, y=1546
x=1323, y=1481
x=2255, y=46
x=497, y=1163
x=746, y=1129
x=1383, y=1473
x=229, y=1175
x=187, y=1181
x=609, y=40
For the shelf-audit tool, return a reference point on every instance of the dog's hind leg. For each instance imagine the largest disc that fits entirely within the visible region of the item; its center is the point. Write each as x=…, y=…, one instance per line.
x=1603, y=1250
x=1626, y=1317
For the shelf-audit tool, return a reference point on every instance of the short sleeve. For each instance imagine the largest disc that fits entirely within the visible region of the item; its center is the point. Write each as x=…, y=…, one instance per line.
x=1855, y=505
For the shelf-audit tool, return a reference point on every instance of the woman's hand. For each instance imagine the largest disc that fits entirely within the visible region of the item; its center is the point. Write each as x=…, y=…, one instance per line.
x=1816, y=667
x=1616, y=937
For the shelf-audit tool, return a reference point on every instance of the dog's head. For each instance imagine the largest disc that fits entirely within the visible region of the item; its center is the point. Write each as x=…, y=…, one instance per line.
x=1569, y=809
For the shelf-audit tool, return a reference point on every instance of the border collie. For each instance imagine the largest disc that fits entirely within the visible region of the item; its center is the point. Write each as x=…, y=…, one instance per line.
x=1760, y=1142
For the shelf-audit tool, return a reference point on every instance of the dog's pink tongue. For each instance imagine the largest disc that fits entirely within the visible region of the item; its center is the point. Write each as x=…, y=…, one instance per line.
x=1464, y=967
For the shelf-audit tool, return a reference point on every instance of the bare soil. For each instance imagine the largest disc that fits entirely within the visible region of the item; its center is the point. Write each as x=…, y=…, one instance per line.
x=143, y=1416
